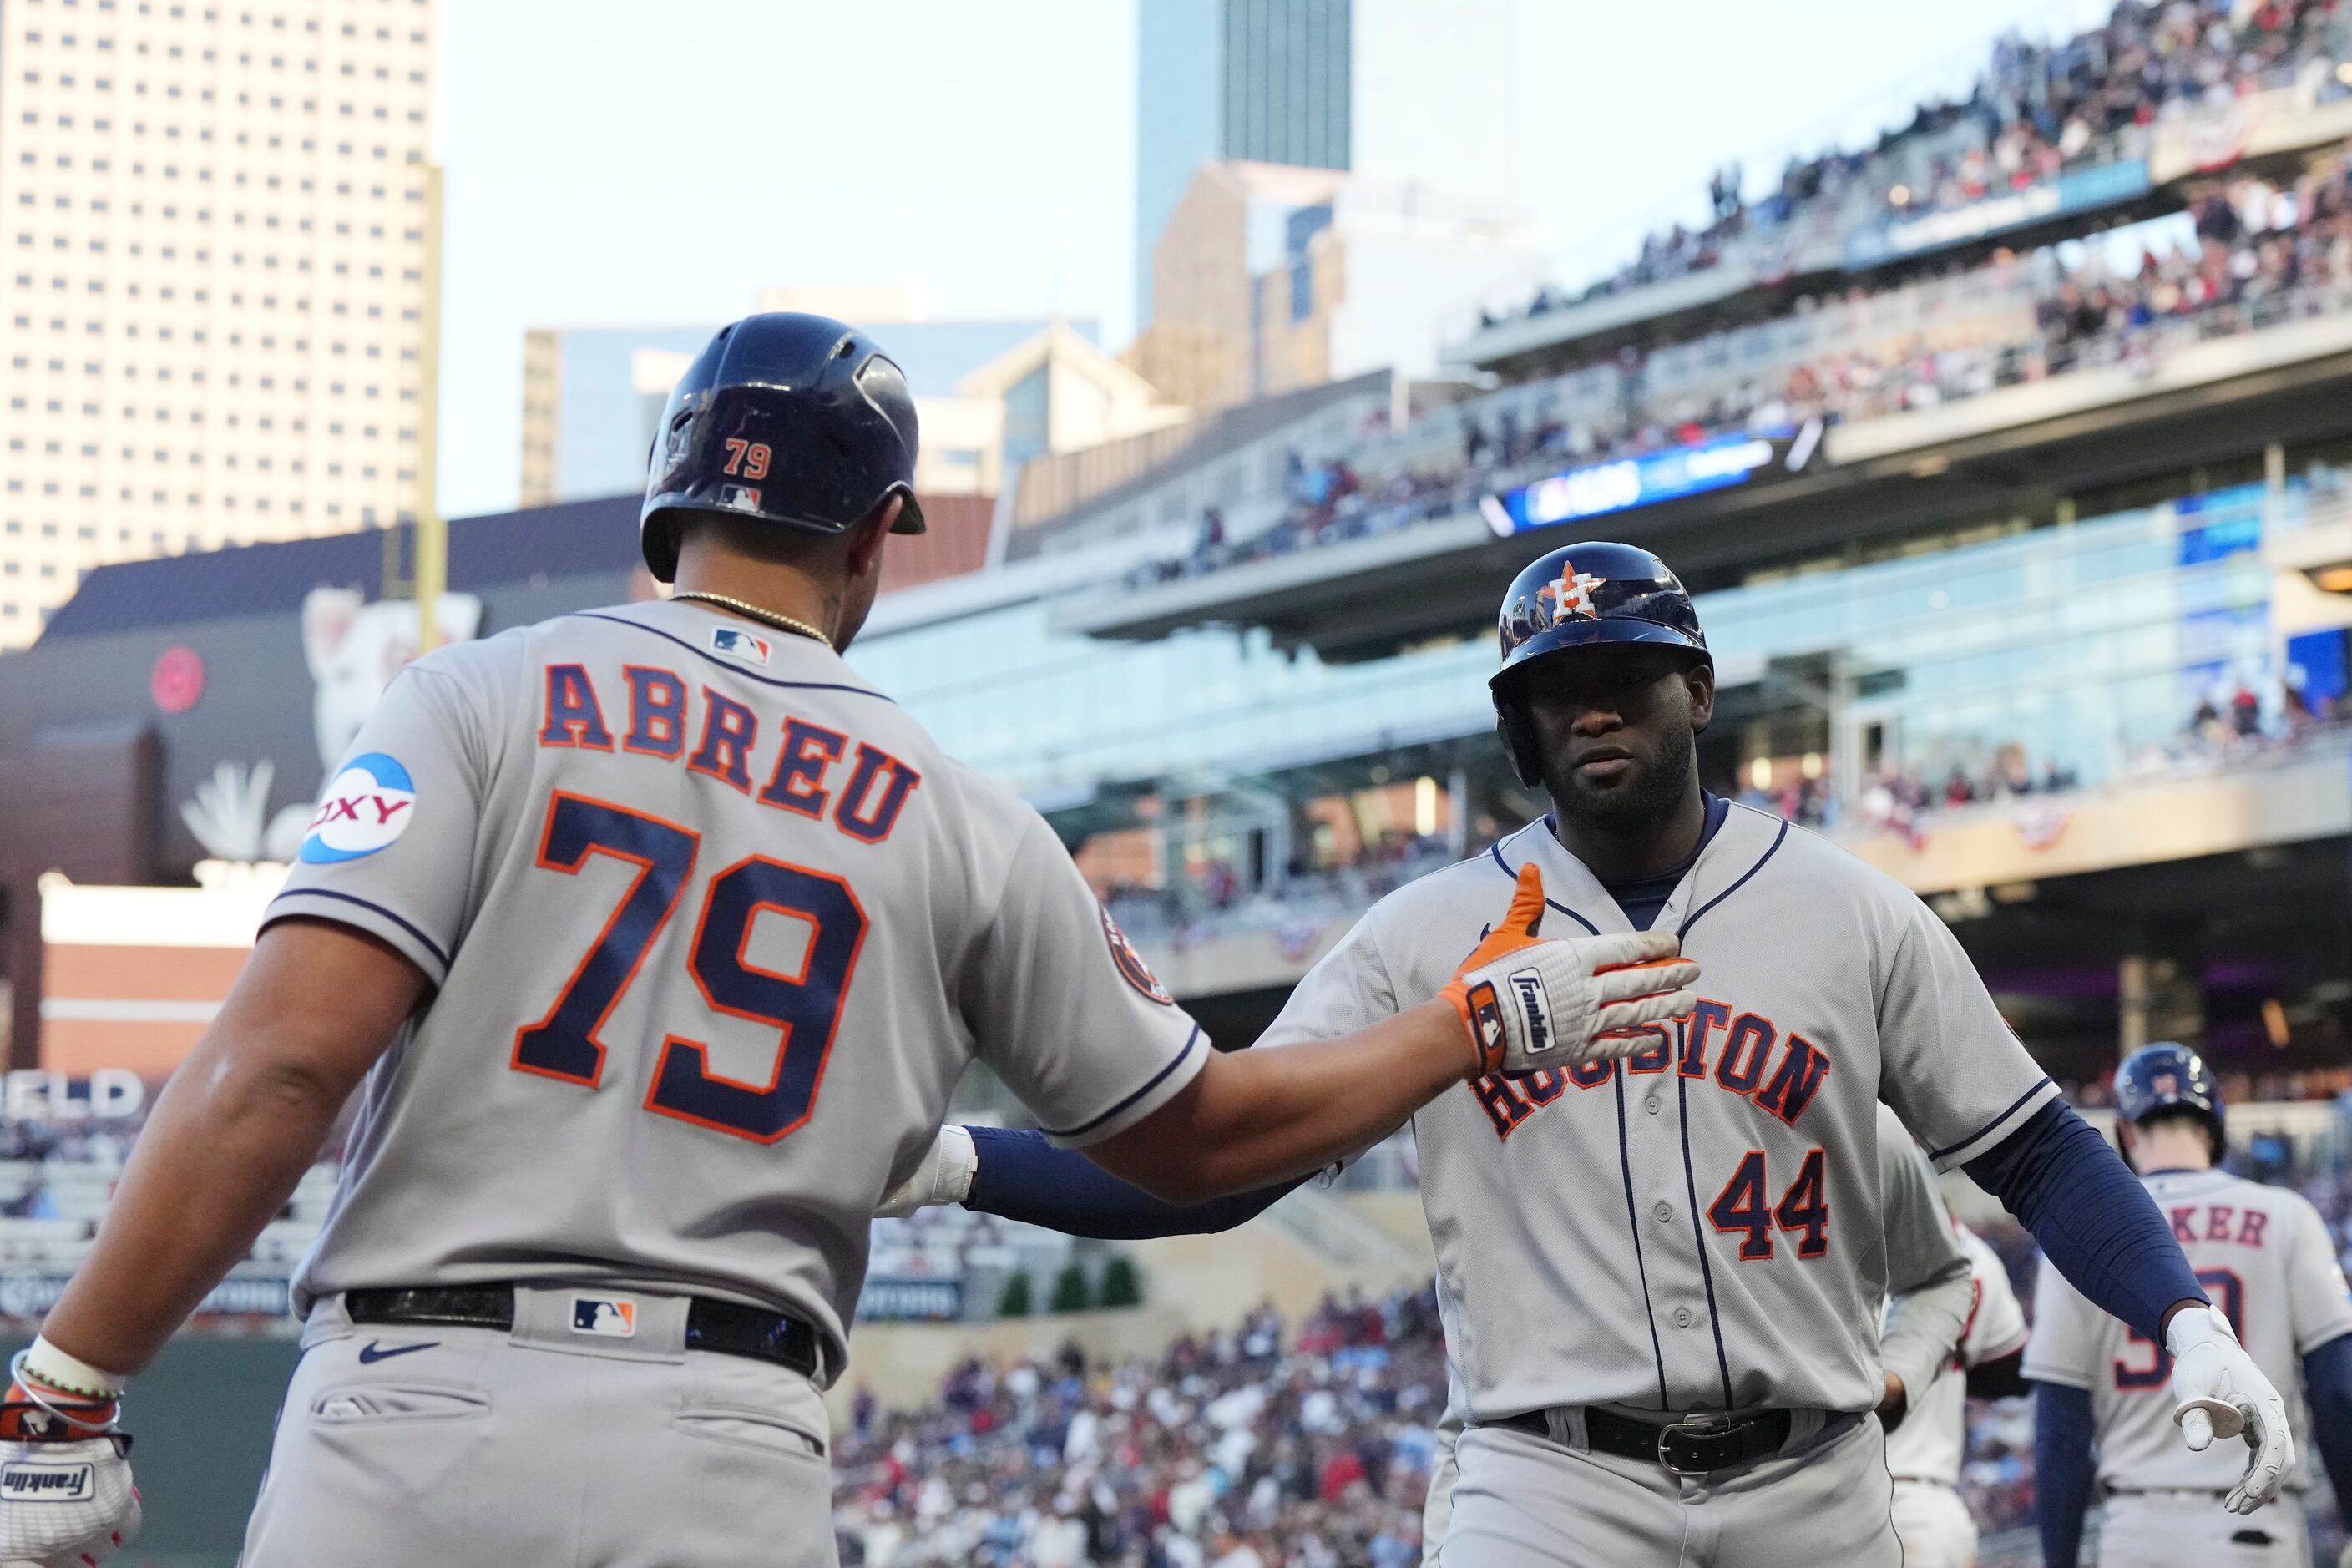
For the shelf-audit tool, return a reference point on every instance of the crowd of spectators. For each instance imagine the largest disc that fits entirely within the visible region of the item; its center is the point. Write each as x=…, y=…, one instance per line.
x=2252, y=253
x=2037, y=109
x=1232, y=1451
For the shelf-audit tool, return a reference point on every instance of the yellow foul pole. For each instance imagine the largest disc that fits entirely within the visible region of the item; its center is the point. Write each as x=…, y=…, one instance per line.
x=432, y=531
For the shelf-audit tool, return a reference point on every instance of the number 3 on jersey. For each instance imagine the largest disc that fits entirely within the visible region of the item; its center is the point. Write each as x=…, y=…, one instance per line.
x=805, y=1007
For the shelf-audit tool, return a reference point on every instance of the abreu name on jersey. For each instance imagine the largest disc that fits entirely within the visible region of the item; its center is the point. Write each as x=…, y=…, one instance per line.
x=661, y=715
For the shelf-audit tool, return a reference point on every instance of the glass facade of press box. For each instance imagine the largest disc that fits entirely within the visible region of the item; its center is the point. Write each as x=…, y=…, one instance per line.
x=2087, y=646
x=2084, y=645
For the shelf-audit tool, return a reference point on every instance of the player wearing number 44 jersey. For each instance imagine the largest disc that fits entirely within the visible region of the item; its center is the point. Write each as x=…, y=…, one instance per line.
x=1661, y=1274
x=660, y=939
x=2266, y=1256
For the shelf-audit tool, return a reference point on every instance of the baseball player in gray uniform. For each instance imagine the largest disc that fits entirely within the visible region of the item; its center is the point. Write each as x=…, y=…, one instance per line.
x=1925, y=1453
x=659, y=939
x=2266, y=1254
x=1928, y=1313
x=1660, y=1274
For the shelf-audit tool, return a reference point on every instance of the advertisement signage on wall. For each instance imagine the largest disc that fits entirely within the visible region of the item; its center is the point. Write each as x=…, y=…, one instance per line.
x=1599, y=489
x=2080, y=190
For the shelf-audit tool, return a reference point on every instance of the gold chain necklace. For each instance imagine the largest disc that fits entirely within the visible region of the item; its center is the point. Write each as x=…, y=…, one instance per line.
x=782, y=623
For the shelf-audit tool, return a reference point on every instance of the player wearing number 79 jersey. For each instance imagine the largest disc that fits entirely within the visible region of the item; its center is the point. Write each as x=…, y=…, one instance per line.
x=660, y=939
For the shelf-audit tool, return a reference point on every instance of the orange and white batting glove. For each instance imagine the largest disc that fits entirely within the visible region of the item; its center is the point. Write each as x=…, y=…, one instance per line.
x=66, y=1495
x=1530, y=1003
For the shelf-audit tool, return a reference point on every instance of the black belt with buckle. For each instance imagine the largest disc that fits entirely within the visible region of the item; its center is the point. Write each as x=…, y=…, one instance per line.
x=724, y=1328
x=1694, y=1446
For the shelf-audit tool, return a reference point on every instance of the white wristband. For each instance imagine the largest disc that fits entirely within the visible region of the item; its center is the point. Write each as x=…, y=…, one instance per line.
x=958, y=1159
x=53, y=1368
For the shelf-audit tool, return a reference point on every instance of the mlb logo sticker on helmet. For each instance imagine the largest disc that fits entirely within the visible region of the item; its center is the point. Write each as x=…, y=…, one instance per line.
x=363, y=809
x=608, y=1317
x=741, y=644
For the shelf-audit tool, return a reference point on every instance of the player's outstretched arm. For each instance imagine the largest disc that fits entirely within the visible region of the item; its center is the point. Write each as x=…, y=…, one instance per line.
x=1023, y=1176
x=1518, y=1003
x=232, y=1133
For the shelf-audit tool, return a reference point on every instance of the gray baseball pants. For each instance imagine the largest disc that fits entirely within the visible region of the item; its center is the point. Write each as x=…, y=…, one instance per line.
x=408, y=1444
x=1523, y=1501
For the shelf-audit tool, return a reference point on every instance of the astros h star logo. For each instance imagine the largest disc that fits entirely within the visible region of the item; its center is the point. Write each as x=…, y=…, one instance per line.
x=1571, y=598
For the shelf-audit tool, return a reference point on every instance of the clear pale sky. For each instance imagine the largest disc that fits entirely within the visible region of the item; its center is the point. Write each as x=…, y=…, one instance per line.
x=616, y=162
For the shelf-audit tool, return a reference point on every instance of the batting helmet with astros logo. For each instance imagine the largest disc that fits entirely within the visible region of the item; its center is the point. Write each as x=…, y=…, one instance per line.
x=800, y=421
x=1577, y=596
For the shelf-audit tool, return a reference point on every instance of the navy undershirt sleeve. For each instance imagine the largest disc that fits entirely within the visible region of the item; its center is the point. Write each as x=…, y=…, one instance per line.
x=2327, y=1384
x=2062, y=1470
x=2095, y=1221
x=1023, y=1176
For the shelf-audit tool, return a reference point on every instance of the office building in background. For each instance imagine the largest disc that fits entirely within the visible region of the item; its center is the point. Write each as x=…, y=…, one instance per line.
x=217, y=278
x=989, y=395
x=1400, y=92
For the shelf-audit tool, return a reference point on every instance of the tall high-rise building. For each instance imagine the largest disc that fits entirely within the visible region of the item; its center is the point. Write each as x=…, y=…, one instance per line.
x=215, y=281
x=1403, y=91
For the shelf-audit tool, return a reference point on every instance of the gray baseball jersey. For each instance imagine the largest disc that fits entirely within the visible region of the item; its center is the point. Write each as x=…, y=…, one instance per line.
x=1924, y=1273
x=1933, y=1439
x=1698, y=1226
x=713, y=929
x=2265, y=1255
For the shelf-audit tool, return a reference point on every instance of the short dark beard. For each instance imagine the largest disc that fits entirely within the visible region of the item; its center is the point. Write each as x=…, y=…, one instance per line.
x=1657, y=788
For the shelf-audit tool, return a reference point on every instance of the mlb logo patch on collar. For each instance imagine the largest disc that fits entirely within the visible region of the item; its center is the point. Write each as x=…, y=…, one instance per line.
x=738, y=643
x=606, y=1317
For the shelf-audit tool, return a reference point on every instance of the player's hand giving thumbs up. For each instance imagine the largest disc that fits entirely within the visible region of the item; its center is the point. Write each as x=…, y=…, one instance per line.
x=1530, y=1003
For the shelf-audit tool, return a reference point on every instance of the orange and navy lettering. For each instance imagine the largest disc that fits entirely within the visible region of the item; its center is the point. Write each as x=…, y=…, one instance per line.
x=573, y=717
x=656, y=712
x=1781, y=1072
x=727, y=730
x=807, y=750
x=860, y=814
x=729, y=742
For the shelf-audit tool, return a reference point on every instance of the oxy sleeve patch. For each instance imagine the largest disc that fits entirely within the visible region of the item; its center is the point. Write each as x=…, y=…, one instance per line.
x=365, y=807
x=1131, y=964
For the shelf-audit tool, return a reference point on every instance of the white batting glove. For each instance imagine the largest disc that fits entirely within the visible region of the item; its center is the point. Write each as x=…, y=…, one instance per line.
x=943, y=1177
x=2221, y=1392
x=1530, y=1003
x=2344, y=1558
x=66, y=1504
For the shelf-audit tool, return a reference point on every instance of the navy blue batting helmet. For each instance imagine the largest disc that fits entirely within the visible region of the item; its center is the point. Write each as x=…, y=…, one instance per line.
x=2169, y=1077
x=1577, y=597
x=790, y=419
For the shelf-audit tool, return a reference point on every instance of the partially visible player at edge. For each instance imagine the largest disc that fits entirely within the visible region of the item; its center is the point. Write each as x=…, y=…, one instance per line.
x=2266, y=1254
x=660, y=940
x=1661, y=1276
x=1925, y=1452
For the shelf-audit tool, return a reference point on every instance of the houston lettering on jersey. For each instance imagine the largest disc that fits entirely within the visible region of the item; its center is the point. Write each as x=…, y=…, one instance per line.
x=664, y=714
x=1741, y=1051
